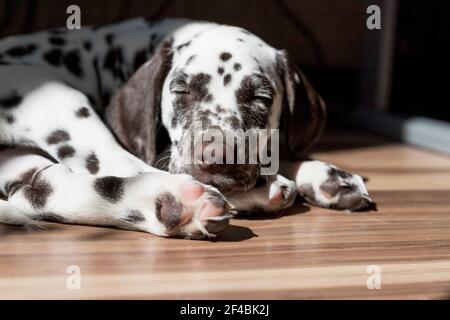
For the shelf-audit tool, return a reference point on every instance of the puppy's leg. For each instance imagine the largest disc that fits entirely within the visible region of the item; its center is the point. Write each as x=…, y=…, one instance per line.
x=37, y=109
x=271, y=194
x=13, y=216
x=159, y=203
x=325, y=185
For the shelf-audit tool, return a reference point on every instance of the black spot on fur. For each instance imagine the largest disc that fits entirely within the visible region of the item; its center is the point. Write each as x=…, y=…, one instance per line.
x=10, y=119
x=246, y=91
x=57, y=41
x=87, y=45
x=21, y=51
x=53, y=57
x=134, y=216
x=65, y=151
x=110, y=188
x=234, y=122
x=168, y=210
x=252, y=118
x=204, y=116
x=250, y=85
x=333, y=173
x=72, y=62
x=220, y=70
x=225, y=56
x=226, y=79
x=198, y=93
x=240, y=40
x=83, y=112
x=139, y=59
x=255, y=113
x=58, y=136
x=11, y=100
x=209, y=98
x=332, y=187
x=219, y=109
x=199, y=85
x=175, y=121
x=237, y=66
x=92, y=163
x=24, y=179
x=38, y=191
x=109, y=38
x=113, y=63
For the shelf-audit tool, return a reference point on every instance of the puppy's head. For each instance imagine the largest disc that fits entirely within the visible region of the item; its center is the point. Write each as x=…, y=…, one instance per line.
x=212, y=82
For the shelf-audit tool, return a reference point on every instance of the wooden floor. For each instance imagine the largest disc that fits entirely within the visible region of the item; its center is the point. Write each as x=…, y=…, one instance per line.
x=305, y=253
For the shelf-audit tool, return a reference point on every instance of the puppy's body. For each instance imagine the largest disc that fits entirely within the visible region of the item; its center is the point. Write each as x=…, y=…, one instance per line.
x=93, y=60
x=164, y=76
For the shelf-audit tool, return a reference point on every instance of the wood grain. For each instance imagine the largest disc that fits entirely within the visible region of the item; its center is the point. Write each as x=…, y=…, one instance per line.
x=304, y=253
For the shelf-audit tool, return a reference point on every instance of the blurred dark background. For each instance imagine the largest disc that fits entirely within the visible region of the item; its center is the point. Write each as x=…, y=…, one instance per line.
x=328, y=39
x=421, y=64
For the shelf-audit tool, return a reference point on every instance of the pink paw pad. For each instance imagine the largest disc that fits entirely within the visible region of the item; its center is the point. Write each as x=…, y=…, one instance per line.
x=211, y=208
x=191, y=191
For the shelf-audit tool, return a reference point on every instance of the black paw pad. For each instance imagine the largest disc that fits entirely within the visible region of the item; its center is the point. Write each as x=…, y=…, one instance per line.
x=168, y=210
x=218, y=203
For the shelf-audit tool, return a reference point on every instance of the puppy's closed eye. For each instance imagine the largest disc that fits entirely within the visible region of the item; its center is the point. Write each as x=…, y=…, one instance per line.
x=180, y=91
x=266, y=100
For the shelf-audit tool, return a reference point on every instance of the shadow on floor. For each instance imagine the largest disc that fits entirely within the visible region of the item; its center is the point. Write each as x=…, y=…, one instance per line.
x=10, y=230
x=298, y=208
x=234, y=234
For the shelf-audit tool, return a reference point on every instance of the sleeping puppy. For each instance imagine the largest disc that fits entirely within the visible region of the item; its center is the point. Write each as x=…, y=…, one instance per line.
x=165, y=87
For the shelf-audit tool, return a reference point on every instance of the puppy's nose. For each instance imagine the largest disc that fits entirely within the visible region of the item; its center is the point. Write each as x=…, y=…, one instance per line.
x=211, y=157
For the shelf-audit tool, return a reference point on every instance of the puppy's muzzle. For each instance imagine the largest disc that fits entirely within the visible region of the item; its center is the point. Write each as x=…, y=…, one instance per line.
x=218, y=164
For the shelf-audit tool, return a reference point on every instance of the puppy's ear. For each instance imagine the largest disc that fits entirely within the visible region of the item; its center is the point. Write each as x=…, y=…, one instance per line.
x=133, y=111
x=304, y=112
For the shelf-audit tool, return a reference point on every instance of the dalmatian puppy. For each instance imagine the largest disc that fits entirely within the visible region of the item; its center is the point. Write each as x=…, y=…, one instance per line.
x=88, y=116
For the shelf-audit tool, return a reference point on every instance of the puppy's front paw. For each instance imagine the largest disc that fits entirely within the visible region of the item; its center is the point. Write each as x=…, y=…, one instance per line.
x=207, y=212
x=271, y=194
x=180, y=207
x=324, y=185
x=281, y=194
